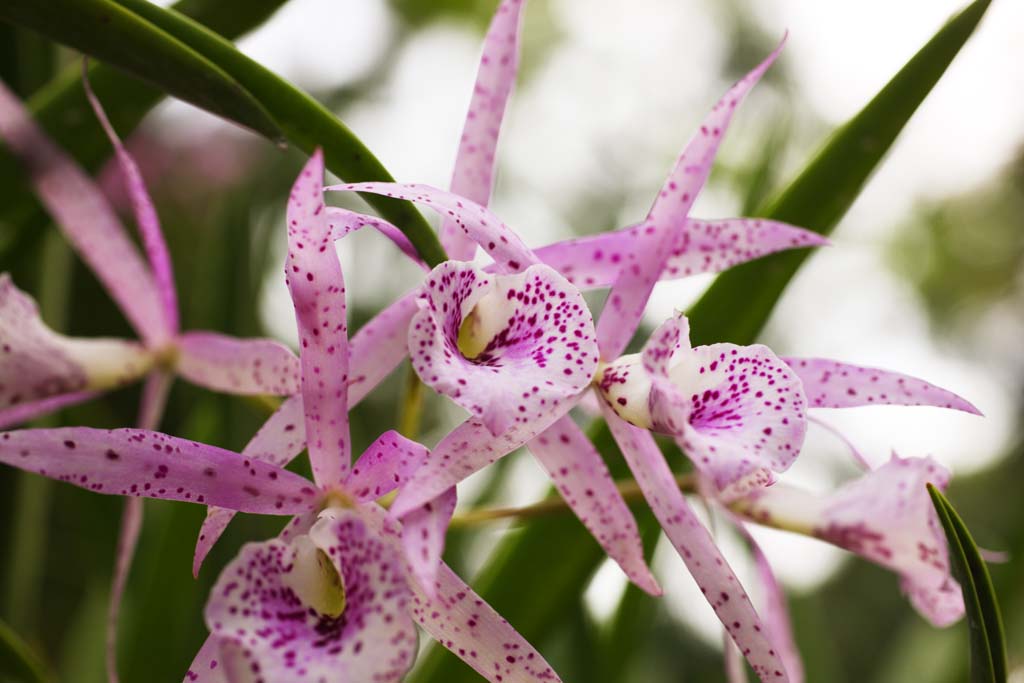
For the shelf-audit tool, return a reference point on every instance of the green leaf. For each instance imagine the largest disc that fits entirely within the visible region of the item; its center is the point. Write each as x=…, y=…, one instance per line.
x=733, y=310
x=105, y=30
x=17, y=660
x=985, y=624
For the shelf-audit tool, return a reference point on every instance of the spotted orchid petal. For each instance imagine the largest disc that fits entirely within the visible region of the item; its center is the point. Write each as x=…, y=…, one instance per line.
x=695, y=546
x=79, y=208
x=24, y=412
x=37, y=364
x=342, y=222
x=698, y=246
x=379, y=346
x=238, y=366
x=328, y=606
x=885, y=516
x=281, y=438
x=134, y=462
x=145, y=214
x=387, y=464
x=460, y=620
x=476, y=221
x=654, y=239
x=473, y=176
x=314, y=278
x=832, y=384
x=583, y=480
x=423, y=536
x=504, y=347
x=206, y=667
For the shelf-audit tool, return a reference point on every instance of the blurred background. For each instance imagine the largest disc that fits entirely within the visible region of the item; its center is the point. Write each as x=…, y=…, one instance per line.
x=924, y=276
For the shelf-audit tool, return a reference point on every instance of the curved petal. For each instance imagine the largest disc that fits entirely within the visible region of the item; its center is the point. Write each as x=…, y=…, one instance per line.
x=79, y=208
x=460, y=620
x=379, y=346
x=526, y=340
x=24, y=412
x=36, y=363
x=342, y=222
x=281, y=438
x=654, y=238
x=238, y=366
x=583, y=480
x=314, y=278
x=145, y=214
x=695, y=546
x=698, y=246
x=831, y=384
x=134, y=462
x=254, y=607
x=423, y=535
x=206, y=666
x=477, y=222
x=386, y=465
x=473, y=176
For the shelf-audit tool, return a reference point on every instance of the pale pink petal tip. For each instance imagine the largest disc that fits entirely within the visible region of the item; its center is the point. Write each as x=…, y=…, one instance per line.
x=238, y=366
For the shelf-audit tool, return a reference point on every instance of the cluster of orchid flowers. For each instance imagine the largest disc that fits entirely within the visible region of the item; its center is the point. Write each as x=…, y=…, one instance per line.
x=337, y=596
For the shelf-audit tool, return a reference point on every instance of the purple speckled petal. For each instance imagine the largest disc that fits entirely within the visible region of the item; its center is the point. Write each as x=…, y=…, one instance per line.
x=581, y=477
x=423, y=535
x=387, y=464
x=206, y=666
x=654, y=239
x=460, y=620
x=379, y=346
x=79, y=208
x=527, y=340
x=342, y=222
x=696, y=547
x=134, y=462
x=476, y=221
x=314, y=278
x=831, y=384
x=238, y=366
x=885, y=516
x=473, y=176
x=23, y=412
x=36, y=363
x=145, y=214
x=255, y=607
x=698, y=246
x=281, y=438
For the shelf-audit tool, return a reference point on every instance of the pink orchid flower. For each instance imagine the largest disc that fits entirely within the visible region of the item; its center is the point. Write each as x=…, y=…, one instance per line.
x=40, y=370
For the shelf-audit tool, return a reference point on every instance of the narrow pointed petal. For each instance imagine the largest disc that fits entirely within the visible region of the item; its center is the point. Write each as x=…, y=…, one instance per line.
x=387, y=464
x=504, y=347
x=698, y=246
x=474, y=220
x=473, y=176
x=281, y=438
x=206, y=666
x=78, y=207
x=379, y=346
x=886, y=517
x=24, y=412
x=831, y=384
x=423, y=535
x=256, y=611
x=695, y=546
x=145, y=214
x=654, y=238
x=583, y=480
x=314, y=278
x=855, y=453
x=238, y=366
x=134, y=462
x=460, y=620
x=342, y=222
x=36, y=363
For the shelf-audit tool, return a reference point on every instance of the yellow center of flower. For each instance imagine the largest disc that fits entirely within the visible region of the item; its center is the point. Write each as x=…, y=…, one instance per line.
x=315, y=580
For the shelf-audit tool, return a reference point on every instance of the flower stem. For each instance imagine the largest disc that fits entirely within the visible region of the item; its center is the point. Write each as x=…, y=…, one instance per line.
x=411, y=410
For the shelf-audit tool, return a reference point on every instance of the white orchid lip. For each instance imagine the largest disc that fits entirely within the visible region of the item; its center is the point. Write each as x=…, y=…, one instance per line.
x=314, y=579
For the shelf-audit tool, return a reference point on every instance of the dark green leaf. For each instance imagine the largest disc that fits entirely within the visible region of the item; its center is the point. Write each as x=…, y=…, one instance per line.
x=17, y=660
x=988, y=643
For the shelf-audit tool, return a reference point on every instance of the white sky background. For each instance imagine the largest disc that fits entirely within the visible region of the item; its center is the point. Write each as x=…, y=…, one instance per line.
x=614, y=103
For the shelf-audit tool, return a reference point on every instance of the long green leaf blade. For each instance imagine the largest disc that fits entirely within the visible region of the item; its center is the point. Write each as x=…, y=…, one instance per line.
x=984, y=621
x=17, y=660
x=720, y=315
x=105, y=30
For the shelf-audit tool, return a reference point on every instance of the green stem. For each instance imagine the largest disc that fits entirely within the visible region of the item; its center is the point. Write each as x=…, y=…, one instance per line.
x=411, y=411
